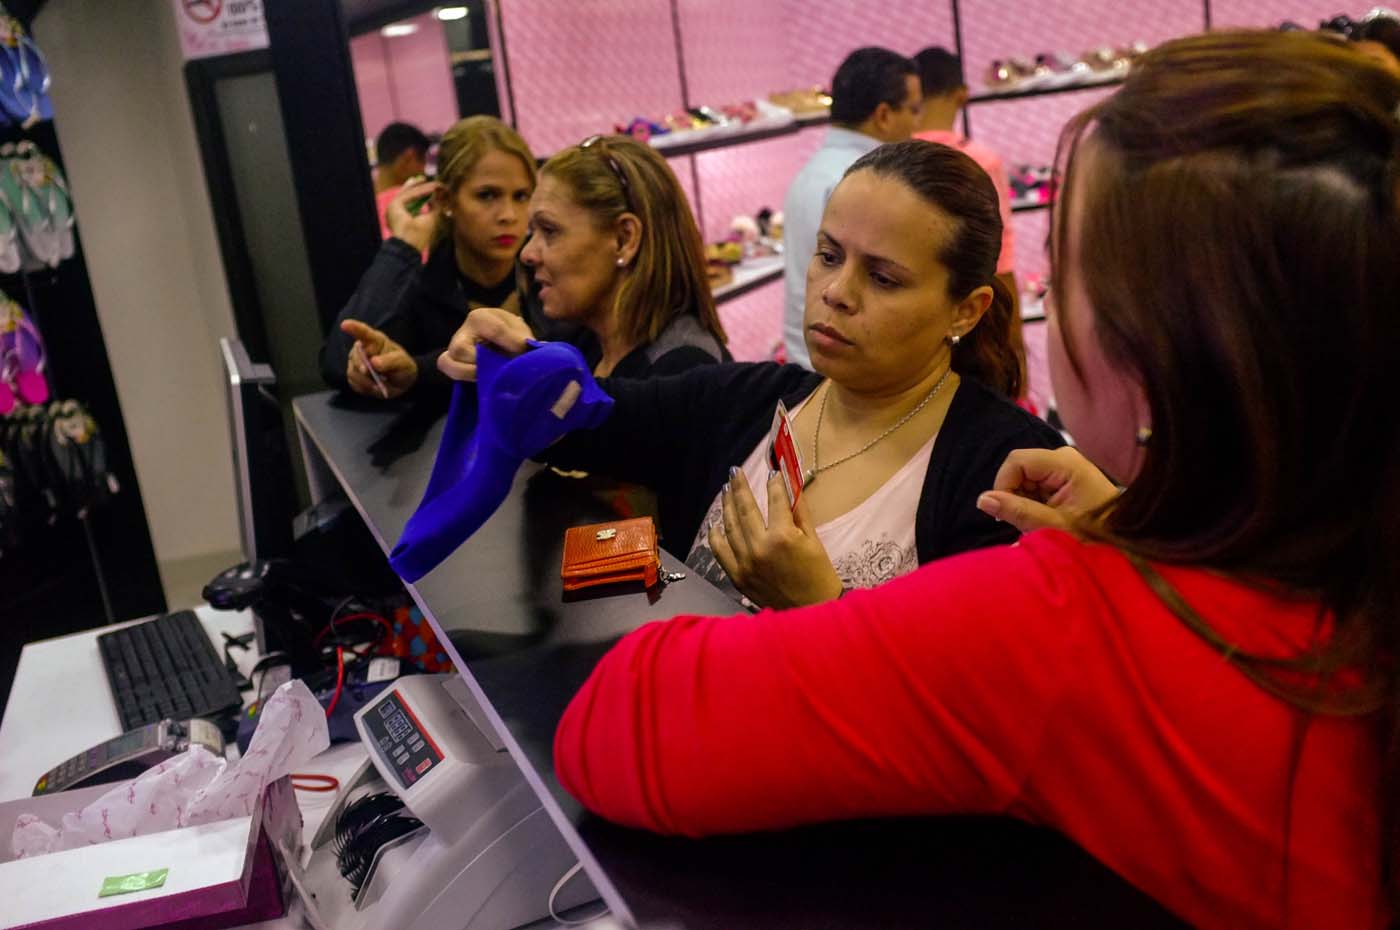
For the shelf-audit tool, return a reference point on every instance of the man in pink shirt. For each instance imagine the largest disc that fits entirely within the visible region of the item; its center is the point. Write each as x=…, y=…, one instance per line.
x=400, y=153
x=945, y=93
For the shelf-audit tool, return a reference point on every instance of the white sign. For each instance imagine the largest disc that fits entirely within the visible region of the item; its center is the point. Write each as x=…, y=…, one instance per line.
x=220, y=27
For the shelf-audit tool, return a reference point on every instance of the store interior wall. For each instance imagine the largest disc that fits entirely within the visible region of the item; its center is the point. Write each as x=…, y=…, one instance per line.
x=155, y=269
x=152, y=252
x=405, y=77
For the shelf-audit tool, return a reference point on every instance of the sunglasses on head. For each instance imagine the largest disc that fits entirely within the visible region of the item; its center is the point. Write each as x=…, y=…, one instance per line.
x=612, y=163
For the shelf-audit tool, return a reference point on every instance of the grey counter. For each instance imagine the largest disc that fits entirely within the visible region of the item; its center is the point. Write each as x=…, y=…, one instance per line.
x=525, y=652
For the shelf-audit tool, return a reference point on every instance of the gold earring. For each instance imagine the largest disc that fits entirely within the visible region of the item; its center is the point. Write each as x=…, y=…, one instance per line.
x=1144, y=435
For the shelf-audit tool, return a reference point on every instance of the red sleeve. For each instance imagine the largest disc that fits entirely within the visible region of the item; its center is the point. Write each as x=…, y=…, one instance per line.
x=927, y=695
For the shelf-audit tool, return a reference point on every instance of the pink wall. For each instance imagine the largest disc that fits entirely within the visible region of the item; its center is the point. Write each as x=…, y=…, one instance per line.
x=734, y=49
x=744, y=179
x=370, y=59
x=820, y=33
x=577, y=68
x=1025, y=27
x=740, y=49
x=405, y=78
x=1307, y=13
x=754, y=322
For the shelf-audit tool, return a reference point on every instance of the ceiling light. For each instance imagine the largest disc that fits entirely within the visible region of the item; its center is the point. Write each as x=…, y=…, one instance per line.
x=452, y=12
x=398, y=29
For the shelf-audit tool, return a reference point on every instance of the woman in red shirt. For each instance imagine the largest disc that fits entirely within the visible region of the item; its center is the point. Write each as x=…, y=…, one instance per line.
x=1195, y=684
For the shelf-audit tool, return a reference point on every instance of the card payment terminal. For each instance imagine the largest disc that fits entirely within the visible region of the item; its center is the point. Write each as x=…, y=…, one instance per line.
x=130, y=754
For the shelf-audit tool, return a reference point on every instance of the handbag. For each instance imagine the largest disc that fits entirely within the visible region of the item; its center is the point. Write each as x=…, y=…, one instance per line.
x=609, y=553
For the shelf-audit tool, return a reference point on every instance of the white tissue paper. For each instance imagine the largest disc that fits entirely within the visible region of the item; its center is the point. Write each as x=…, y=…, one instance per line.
x=194, y=787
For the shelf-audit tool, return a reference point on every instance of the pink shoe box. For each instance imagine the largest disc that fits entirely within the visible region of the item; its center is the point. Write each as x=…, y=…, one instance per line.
x=222, y=874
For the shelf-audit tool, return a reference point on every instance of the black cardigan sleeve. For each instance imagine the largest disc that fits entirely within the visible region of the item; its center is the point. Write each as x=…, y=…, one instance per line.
x=979, y=433
x=381, y=291
x=679, y=435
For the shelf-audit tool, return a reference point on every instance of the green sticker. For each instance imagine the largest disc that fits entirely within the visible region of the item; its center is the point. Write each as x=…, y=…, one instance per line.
x=136, y=881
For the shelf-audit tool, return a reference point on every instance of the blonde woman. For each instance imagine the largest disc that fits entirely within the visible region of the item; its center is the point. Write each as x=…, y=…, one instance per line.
x=614, y=250
x=470, y=227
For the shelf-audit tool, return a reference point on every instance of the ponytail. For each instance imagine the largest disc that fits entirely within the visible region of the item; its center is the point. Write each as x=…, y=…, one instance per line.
x=986, y=353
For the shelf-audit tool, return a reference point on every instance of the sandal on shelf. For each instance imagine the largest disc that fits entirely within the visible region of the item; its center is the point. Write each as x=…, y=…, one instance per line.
x=39, y=204
x=8, y=369
x=21, y=355
x=34, y=71
x=78, y=457
x=24, y=75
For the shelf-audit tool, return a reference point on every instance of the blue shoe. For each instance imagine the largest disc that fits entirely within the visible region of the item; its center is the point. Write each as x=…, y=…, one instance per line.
x=517, y=408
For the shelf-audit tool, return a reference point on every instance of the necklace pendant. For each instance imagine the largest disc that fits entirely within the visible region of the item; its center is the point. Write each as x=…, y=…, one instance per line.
x=809, y=477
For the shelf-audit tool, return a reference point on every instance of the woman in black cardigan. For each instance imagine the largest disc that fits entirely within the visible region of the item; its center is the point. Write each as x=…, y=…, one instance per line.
x=909, y=332
x=457, y=252
x=614, y=262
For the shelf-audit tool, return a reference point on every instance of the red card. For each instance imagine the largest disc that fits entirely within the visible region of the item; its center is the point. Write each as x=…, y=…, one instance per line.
x=786, y=454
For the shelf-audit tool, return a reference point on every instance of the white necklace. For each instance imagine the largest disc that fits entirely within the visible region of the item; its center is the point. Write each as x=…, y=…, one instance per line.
x=817, y=468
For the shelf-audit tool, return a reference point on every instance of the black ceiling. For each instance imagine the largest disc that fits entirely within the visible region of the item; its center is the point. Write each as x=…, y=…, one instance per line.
x=364, y=15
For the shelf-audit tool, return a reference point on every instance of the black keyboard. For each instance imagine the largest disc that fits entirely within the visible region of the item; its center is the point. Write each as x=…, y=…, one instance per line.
x=166, y=667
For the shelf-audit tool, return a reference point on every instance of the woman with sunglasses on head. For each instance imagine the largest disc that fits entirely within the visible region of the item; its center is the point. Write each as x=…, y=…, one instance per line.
x=469, y=222
x=904, y=422
x=614, y=249
x=1194, y=679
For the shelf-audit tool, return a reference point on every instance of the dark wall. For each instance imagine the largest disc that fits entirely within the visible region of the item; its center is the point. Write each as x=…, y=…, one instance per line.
x=325, y=141
x=49, y=585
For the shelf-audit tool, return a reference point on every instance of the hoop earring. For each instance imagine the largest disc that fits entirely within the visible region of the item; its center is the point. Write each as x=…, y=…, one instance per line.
x=1144, y=435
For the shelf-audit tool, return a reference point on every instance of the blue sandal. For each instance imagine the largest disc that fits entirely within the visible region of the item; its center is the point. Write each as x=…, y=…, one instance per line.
x=24, y=75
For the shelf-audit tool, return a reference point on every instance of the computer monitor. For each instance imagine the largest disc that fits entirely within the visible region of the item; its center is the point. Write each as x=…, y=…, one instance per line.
x=262, y=470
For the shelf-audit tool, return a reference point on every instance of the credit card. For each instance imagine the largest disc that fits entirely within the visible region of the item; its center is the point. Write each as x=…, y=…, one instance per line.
x=375, y=376
x=786, y=455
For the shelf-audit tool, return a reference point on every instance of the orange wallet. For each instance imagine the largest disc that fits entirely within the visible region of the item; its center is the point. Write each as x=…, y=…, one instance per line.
x=609, y=553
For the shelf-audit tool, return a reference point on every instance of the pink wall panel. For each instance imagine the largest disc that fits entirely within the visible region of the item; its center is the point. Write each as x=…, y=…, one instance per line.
x=681, y=167
x=1032, y=261
x=406, y=78
x=754, y=322
x=1025, y=131
x=1022, y=28
x=371, y=67
x=577, y=68
x=421, y=75
x=734, y=49
x=743, y=179
x=1038, y=387
x=820, y=33
x=1309, y=13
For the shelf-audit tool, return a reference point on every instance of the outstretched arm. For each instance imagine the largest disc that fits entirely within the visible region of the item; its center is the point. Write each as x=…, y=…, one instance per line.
x=930, y=694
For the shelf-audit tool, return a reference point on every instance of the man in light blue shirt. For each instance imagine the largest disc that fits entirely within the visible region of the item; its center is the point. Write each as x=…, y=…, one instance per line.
x=875, y=98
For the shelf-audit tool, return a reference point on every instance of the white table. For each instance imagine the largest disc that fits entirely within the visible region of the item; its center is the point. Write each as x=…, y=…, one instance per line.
x=60, y=705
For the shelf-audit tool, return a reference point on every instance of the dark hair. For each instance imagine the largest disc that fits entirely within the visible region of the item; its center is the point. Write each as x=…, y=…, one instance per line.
x=397, y=138
x=867, y=78
x=464, y=144
x=953, y=183
x=940, y=71
x=1380, y=29
x=1241, y=249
